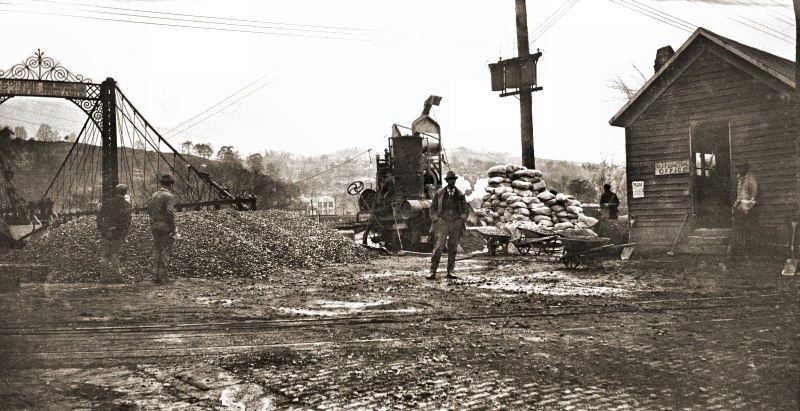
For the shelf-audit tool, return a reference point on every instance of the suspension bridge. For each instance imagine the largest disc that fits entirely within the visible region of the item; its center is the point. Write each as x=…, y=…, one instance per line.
x=116, y=144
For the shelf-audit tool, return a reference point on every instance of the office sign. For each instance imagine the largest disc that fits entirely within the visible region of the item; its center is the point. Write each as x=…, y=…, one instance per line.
x=672, y=167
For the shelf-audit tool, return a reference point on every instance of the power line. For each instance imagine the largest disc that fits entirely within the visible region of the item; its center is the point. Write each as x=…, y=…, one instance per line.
x=655, y=17
x=555, y=21
x=776, y=15
x=215, y=104
x=193, y=16
x=224, y=107
x=663, y=14
x=784, y=39
x=335, y=166
x=547, y=20
x=151, y=23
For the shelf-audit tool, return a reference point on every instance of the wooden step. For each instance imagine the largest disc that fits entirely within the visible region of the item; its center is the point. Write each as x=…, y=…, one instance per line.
x=701, y=248
x=698, y=240
x=713, y=232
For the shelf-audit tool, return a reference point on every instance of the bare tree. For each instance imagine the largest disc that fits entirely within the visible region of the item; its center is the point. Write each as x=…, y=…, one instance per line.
x=628, y=88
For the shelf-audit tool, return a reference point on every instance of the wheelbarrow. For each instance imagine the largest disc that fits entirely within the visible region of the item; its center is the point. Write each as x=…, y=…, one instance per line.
x=542, y=241
x=496, y=238
x=584, y=250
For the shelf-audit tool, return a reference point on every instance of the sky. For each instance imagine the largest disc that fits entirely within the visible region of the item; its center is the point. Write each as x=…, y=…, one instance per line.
x=315, y=76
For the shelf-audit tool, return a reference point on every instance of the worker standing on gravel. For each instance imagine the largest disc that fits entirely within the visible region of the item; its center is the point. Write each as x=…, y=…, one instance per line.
x=162, y=222
x=449, y=212
x=113, y=223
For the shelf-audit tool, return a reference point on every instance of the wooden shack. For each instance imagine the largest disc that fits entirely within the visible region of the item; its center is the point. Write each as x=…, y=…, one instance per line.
x=710, y=105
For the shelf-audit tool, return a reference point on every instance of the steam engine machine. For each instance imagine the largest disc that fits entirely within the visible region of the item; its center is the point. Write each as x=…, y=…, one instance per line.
x=407, y=176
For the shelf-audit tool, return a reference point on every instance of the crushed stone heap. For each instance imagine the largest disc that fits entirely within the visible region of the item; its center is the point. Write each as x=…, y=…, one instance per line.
x=213, y=244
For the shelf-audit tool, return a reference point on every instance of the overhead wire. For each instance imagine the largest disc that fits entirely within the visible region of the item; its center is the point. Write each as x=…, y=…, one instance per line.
x=335, y=166
x=785, y=38
x=546, y=21
x=223, y=108
x=177, y=25
x=217, y=104
x=663, y=14
x=543, y=31
x=195, y=16
x=777, y=16
x=652, y=16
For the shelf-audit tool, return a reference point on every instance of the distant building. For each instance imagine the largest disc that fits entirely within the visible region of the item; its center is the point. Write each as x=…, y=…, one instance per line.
x=710, y=106
x=322, y=205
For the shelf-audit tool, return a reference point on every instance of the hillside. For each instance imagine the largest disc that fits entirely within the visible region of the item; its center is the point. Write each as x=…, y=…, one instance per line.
x=330, y=174
x=35, y=163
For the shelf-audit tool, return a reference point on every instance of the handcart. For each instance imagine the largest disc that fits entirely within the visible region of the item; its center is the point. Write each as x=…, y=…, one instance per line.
x=496, y=238
x=540, y=240
x=584, y=250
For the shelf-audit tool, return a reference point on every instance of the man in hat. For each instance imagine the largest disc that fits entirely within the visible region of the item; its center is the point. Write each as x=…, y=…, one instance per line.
x=113, y=223
x=745, y=211
x=162, y=223
x=449, y=212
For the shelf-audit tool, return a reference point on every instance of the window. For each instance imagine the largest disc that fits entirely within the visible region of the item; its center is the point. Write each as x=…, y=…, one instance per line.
x=705, y=164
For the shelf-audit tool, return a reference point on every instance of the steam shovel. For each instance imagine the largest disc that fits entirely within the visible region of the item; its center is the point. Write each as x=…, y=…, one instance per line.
x=791, y=263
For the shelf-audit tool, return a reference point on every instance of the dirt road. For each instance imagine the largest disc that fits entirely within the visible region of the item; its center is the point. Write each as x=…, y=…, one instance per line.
x=509, y=333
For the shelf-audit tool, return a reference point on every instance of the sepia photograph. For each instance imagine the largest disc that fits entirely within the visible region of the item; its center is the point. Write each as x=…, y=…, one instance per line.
x=400, y=205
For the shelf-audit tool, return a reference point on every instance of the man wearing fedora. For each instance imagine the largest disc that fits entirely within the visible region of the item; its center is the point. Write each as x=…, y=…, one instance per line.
x=449, y=212
x=162, y=222
x=113, y=223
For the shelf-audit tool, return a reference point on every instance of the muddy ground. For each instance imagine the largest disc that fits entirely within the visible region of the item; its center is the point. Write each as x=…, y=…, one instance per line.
x=512, y=332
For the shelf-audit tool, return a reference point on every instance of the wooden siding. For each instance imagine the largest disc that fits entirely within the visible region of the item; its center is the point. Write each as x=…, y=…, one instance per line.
x=711, y=90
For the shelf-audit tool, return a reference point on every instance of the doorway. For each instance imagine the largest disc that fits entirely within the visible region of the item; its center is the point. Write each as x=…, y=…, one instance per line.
x=711, y=174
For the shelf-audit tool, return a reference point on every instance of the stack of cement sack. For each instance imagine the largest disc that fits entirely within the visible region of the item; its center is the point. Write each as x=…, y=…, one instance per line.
x=518, y=197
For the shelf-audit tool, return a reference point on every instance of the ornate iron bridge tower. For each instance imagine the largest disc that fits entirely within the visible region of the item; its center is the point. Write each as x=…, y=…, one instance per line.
x=122, y=131
x=41, y=76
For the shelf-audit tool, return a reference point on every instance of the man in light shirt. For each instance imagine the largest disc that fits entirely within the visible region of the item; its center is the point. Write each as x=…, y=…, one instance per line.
x=745, y=208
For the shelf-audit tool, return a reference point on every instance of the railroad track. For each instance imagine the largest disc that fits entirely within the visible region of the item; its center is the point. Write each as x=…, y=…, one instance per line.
x=46, y=345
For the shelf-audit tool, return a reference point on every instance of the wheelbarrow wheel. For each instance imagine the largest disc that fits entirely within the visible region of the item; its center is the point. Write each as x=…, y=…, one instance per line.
x=524, y=248
x=571, y=262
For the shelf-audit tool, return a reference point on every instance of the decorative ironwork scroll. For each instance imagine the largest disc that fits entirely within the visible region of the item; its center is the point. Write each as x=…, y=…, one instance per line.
x=41, y=67
x=92, y=108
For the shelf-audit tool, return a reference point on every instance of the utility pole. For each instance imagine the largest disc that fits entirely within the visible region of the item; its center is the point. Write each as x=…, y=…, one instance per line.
x=797, y=51
x=525, y=98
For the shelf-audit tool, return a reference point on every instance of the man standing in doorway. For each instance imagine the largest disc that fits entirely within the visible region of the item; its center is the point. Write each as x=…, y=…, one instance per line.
x=113, y=223
x=745, y=211
x=162, y=223
x=449, y=211
x=609, y=201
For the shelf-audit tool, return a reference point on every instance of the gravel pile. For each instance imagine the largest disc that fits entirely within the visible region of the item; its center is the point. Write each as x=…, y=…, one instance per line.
x=213, y=244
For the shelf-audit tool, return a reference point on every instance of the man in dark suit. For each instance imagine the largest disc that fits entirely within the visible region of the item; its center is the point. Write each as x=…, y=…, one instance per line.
x=449, y=212
x=113, y=223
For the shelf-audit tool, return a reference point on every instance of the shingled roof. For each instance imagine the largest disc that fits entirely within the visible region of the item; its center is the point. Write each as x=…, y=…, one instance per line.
x=775, y=71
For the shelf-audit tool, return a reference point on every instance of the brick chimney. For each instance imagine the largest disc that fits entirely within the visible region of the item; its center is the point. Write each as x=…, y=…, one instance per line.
x=662, y=55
